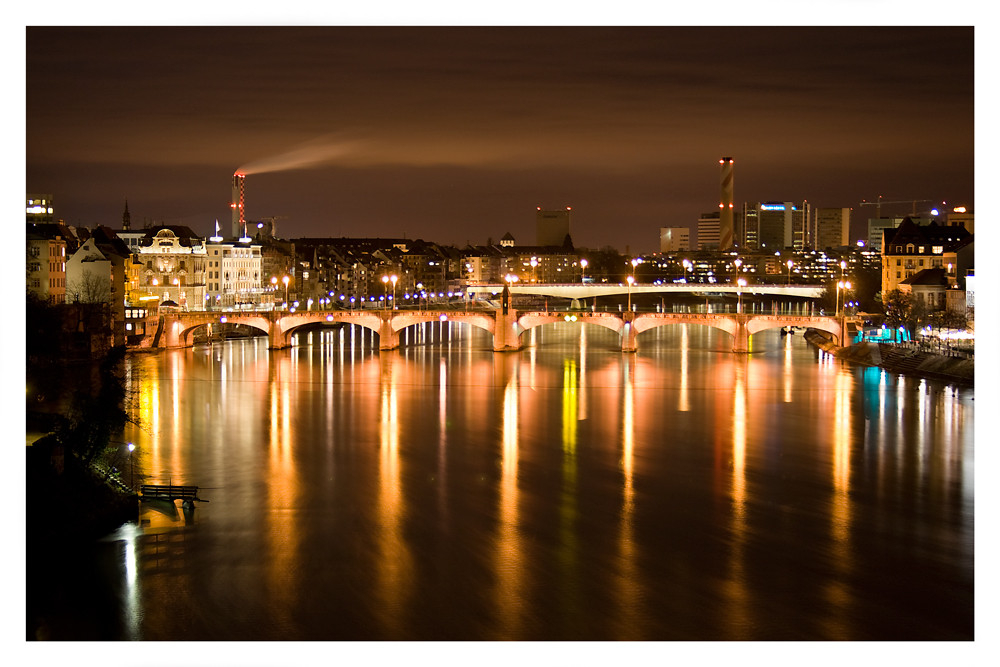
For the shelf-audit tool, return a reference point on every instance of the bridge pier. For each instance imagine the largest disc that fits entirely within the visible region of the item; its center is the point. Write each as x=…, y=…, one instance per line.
x=506, y=332
x=741, y=339
x=276, y=339
x=629, y=333
x=388, y=338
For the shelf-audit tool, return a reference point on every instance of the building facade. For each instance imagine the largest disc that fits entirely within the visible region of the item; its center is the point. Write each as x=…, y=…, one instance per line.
x=832, y=228
x=38, y=208
x=45, y=261
x=551, y=227
x=675, y=239
x=233, y=274
x=174, y=266
x=102, y=270
x=708, y=231
x=912, y=248
x=781, y=225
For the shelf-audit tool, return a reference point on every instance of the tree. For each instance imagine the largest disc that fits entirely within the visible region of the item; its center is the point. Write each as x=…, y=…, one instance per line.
x=902, y=310
x=97, y=414
x=949, y=319
x=90, y=288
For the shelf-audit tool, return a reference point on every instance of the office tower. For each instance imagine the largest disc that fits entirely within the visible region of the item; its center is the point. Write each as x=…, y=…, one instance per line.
x=551, y=227
x=708, y=231
x=833, y=228
x=726, y=238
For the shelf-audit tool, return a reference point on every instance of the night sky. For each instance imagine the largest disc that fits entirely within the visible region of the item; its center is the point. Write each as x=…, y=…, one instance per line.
x=458, y=134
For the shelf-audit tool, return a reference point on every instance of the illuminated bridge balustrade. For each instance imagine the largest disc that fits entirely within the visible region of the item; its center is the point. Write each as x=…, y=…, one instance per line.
x=178, y=327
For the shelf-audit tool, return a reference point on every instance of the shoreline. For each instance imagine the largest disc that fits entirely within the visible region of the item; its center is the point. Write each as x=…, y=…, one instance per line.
x=904, y=361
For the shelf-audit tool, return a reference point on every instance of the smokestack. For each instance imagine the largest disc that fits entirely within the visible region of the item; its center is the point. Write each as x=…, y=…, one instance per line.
x=726, y=205
x=237, y=204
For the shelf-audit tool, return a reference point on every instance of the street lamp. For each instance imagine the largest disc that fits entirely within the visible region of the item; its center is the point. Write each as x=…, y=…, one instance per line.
x=842, y=285
x=131, y=477
x=284, y=279
x=738, y=263
x=583, y=270
x=740, y=284
x=687, y=267
x=534, y=273
x=789, y=263
x=393, y=278
x=630, y=279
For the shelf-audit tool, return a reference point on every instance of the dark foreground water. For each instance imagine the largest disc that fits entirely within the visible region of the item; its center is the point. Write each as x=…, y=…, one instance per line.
x=567, y=491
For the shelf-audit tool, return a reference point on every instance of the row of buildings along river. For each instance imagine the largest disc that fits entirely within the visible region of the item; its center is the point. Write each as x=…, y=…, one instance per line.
x=134, y=272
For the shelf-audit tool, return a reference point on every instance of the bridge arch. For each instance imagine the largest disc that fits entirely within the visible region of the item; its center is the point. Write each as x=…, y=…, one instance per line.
x=763, y=322
x=648, y=321
x=405, y=319
x=287, y=324
x=528, y=321
x=179, y=329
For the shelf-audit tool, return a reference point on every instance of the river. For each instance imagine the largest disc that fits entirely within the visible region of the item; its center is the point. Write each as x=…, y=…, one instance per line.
x=567, y=491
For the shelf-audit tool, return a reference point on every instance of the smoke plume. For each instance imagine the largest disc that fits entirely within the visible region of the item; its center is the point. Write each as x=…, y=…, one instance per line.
x=310, y=154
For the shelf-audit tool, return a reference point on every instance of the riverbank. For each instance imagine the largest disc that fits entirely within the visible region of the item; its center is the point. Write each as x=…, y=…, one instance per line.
x=66, y=500
x=897, y=359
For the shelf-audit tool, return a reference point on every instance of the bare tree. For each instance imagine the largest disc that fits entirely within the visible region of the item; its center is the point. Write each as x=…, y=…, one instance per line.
x=90, y=288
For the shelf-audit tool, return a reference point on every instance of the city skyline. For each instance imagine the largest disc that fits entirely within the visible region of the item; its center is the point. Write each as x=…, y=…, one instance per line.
x=458, y=134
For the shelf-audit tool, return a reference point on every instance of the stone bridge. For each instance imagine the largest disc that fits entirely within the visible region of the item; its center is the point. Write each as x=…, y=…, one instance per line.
x=176, y=328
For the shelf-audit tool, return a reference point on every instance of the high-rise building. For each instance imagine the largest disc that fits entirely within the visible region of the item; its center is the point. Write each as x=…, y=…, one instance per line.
x=551, y=227
x=708, y=231
x=833, y=228
x=675, y=239
x=782, y=224
x=748, y=227
x=726, y=230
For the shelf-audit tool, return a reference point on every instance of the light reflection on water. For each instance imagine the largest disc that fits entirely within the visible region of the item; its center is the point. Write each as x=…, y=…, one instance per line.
x=567, y=491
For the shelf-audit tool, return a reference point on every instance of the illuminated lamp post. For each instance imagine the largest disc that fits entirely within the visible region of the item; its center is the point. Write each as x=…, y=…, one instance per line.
x=789, y=264
x=738, y=263
x=393, y=278
x=740, y=284
x=385, y=291
x=687, y=267
x=284, y=279
x=842, y=285
x=534, y=273
x=630, y=279
x=583, y=270
x=131, y=476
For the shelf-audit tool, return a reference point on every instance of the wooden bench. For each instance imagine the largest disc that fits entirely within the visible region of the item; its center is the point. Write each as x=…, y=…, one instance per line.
x=171, y=492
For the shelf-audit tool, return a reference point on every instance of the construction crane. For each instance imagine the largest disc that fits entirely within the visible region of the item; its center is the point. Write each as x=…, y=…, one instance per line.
x=878, y=204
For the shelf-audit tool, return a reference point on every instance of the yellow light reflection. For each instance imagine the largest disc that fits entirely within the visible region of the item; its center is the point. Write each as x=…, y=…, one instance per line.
x=836, y=591
x=628, y=591
x=510, y=558
x=394, y=568
x=735, y=586
x=684, y=395
x=568, y=507
x=283, y=493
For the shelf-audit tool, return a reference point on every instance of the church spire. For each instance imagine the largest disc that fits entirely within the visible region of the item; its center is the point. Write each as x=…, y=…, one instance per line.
x=126, y=218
